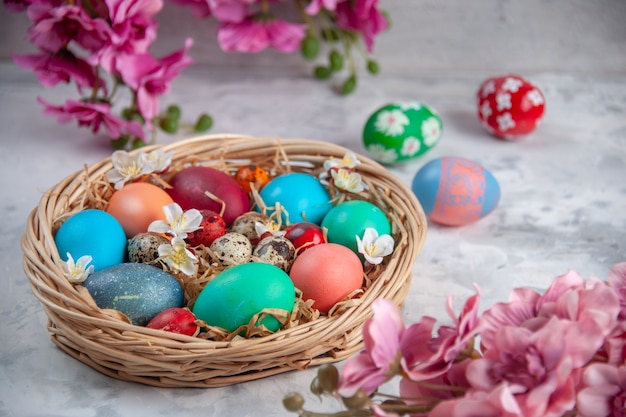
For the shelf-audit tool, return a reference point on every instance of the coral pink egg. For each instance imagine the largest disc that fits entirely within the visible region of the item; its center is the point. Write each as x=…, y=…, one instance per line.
x=137, y=205
x=327, y=273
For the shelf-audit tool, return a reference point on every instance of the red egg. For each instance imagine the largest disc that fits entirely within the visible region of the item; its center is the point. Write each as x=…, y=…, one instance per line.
x=137, y=205
x=509, y=106
x=304, y=235
x=327, y=273
x=190, y=185
x=211, y=227
x=175, y=320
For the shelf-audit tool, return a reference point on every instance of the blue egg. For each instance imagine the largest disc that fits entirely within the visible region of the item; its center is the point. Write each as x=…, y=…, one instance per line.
x=95, y=233
x=140, y=291
x=455, y=191
x=301, y=194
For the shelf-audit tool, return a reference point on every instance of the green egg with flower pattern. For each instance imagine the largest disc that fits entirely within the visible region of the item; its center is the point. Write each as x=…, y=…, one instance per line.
x=401, y=131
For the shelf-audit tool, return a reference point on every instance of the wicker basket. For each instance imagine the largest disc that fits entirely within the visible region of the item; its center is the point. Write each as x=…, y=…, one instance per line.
x=157, y=358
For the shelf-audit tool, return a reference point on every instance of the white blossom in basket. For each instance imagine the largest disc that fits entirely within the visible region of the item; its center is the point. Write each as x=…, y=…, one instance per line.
x=347, y=180
x=349, y=160
x=373, y=247
x=177, y=223
x=127, y=167
x=158, y=160
x=178, y=257
x=77, y=272
x=270, y=227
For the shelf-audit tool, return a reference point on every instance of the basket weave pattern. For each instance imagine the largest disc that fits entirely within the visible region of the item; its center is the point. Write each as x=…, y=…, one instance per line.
x=157, y=358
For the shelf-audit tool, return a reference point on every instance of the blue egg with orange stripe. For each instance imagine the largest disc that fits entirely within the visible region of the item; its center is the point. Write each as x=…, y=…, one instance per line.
x=455, y=191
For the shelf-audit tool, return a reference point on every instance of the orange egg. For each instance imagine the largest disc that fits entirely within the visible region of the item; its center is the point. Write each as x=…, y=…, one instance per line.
x=252, y=174
x=137, y=205
x=327, y=273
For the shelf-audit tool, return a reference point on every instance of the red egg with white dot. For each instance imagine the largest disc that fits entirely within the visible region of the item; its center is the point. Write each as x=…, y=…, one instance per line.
x=510, y=106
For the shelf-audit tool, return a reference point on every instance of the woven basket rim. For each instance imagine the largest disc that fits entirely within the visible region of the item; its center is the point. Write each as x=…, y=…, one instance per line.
x=153, y=357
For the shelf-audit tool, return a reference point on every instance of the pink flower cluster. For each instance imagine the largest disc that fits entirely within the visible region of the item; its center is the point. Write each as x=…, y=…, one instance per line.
x=94, y=43
x=248, y=26
x=560, y=353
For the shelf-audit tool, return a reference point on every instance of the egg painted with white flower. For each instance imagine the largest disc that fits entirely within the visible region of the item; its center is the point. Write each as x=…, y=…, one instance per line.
x=401, y=131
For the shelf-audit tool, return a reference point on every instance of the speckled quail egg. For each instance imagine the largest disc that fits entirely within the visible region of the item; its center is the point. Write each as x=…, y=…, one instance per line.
x=144, y=248
x=245, y=224
x=232, y=248
x=275, y=250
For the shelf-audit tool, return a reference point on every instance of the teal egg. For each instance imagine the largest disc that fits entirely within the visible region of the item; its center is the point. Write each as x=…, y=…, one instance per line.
x=95, y=233
x=236, y=294
x=139, y=291
x=401, y=131
x=302, y=195
x=350, y=219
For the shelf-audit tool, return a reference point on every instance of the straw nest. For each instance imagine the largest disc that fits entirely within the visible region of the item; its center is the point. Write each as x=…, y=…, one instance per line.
x=107, y=342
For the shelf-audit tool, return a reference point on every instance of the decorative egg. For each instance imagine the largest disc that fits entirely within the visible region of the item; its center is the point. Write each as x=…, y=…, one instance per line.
x=138, y=204
x=232, y=248
x=175, y=320
x=304, y=235
x=139, y=291
x=401, y=131
x=144, y=247
x=327, y=273
x=302, y=195
x=455, y=191
x=509, y=106
x=349, y=219
x=245, y=224
x=95, y=233
x=252, y=174
x=190, y=187
x=275, y=250
x=212, y=226
x=238, y=293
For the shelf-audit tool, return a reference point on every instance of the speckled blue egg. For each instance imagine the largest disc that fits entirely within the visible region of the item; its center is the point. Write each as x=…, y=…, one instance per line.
x=455, y=191
x=139, y=291
x=95, y=233
x=301, y=194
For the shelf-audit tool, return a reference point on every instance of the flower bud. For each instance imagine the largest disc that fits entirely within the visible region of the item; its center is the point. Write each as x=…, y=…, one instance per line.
x=173, y=112
x=336, y=60
x=357, y=401
x=349, y=85
x=204, y=123
x=321, y=72
x=168, y=125
x=293, y=402
x=119, y=143
x=316, y=387
x=309, y=47
x=373, y=67
x=328, y=377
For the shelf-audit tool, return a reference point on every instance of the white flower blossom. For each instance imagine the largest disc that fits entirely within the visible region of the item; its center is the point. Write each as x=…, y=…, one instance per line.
x=346, y=180
x=157, y=160
x=431, y=131
x=268, y=227
x=373, y=247
x=349, y=160
x=127, y=168
x=177, y=223
x=79, y=271
x=410, y=146
x=391, y=122
x=178, y=257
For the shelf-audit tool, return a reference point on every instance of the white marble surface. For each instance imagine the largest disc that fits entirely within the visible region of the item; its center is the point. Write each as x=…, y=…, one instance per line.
x=563, y=200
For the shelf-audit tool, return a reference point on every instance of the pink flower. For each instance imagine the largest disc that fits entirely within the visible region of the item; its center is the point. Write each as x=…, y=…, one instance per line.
x=133, y=29
x=60, y=67
x=151, y=78
x=498, y=402
x=449, y=343
x=55, y=27
x=536, y=365
x=251, y=35
x=230, y=10
x=386, y=342
x=17, y=5
x=617, y=280
x=316, y=5
x=94, y=116
x=449, y=385
x=615, y=345
x=604, y=393
x=199, y=8
x=362, y=16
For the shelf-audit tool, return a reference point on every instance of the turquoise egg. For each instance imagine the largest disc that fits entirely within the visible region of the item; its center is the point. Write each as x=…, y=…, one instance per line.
x=349, y=219
x=455, y=191
x=95, y=233
x=139, y=291
x=401, y=131
x=239, y=292
x=302, y=195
